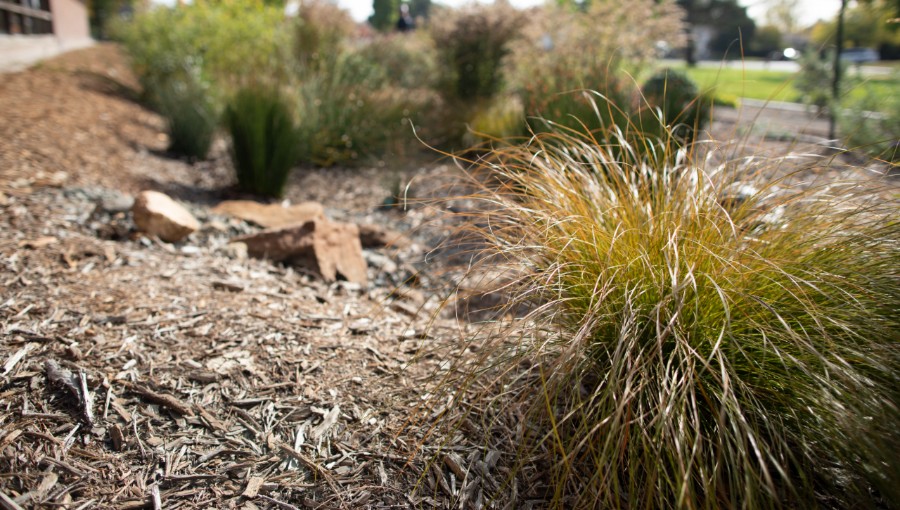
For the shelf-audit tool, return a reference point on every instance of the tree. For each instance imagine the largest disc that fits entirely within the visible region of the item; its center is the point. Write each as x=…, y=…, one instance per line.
x=731, y=25
x=766, y=40
x=783, y=15
x=385, y=14
x=889, y=7
x=419, y=8
x=865, y=25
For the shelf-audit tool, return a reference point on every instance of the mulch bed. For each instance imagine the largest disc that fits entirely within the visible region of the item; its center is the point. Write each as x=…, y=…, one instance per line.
x=139, y=374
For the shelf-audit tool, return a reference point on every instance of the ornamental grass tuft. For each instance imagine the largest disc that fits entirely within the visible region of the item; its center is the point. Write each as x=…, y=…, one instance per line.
x=265, y=142
x=702, y=335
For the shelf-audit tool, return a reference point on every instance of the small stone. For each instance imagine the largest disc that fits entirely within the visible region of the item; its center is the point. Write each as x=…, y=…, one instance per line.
x=157, y=214
x=116, y=203
x=217, y=225
x=270, y=215
x=380, y=262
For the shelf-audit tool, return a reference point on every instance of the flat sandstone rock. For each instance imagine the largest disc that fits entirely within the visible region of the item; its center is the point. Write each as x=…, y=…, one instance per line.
x=270, y=215
x=328, y=248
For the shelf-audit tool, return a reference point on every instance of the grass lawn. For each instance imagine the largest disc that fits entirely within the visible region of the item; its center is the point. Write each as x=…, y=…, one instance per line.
x=778, y=85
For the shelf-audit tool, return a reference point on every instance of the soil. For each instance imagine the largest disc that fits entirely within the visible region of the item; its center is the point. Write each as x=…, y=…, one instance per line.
x=138, y=373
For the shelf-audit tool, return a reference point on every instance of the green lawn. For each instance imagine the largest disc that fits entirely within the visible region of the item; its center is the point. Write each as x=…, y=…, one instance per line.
x=778, y=86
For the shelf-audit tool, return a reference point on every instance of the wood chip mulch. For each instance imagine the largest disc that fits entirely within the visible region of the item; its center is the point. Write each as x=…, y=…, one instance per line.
x=139, y=374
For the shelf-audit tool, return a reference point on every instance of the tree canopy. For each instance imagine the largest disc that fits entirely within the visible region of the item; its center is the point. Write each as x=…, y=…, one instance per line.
x=732, y=26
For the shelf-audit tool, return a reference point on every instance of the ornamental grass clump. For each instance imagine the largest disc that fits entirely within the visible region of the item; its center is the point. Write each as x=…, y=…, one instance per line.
x=265, y=141
x=702, y=336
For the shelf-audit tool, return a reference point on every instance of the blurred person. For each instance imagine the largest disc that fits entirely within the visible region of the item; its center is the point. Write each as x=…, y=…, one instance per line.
x=406, y=22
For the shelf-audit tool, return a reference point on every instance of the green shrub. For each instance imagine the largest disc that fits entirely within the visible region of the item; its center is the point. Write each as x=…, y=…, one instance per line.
x=349, y=113
x=472, y=43
x=321, y=30
x=695, y=342
x=503, y=119
x=265, y=142
x=409, y=60
x=676, y=100
x=191, y=117
x=814, y=79
x=230, y=42
x=385, y=14
x=582, y=99
x=572, y=66
x=872, y=124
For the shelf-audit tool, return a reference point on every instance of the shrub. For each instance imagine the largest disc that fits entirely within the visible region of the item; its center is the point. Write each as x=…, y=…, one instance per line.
x=348, y=113
x=694, y=343
x=872, y=124
x=409, y=61
x=264, y=140
x=191, y=116
x=503, y=119
x=814, y=79
x=676, y=100
x=566, y=52
x=320, y=32
x=230, y=42
x=472, y=43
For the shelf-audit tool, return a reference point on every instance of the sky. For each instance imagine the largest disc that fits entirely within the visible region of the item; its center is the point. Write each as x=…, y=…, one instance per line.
x=810, y=10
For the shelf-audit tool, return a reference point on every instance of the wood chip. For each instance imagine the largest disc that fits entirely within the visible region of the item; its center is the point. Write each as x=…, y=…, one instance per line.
x=7, y=503
x=163, y=399
x=76, y=385
x=279, y=504
x=253, y=486
x=36, y=244
x=15, y=358
x=9, y=438
x=117, y=437
x=329, y=421
x=455, y=464
x=155, y=497
x=227, y=286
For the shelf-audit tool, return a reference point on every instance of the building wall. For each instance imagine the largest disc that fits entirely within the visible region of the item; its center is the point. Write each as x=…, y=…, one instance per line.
x=70, y=21
x=70, y=31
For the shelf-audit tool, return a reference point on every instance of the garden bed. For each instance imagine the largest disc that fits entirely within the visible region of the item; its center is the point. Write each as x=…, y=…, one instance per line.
x=203, y=379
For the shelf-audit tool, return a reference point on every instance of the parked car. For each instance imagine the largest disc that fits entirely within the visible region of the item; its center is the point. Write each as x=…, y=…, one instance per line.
x=860, y=55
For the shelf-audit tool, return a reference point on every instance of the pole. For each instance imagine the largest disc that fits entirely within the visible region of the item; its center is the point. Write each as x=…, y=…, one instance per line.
x=836, y=82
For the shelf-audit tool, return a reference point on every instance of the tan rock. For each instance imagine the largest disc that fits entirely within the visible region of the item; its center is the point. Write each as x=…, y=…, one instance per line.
x=376, y=236
x=157, y=214
x=270, y=215
x=326, y=247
